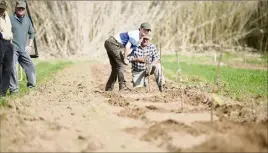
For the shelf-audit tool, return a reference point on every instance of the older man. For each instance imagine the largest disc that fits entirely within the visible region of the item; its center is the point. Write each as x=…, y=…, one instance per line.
x=145, y=62
x=21, y=27
x=115, y=46
x=6, y=52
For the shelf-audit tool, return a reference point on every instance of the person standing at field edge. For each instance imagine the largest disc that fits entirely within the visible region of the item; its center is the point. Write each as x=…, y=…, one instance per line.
x=21, y=27
x=6, y=52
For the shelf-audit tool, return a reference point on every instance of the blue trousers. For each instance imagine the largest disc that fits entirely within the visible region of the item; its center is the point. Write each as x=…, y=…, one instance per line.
x=26, y=63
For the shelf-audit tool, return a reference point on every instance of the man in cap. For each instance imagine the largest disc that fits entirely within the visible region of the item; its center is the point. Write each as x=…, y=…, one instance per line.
x=115, y=46
x=146, y=61
x=21, y=27
x=6, y=52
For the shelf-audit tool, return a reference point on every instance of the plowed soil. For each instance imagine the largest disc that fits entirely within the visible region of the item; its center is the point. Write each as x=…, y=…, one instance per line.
x=73, y=113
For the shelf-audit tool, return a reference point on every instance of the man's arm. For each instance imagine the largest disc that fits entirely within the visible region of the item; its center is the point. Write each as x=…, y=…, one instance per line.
x=126, y=52
x=31, y=34
x=138, y=59
x=7, y=34
x=156, y=57
x=132, y=58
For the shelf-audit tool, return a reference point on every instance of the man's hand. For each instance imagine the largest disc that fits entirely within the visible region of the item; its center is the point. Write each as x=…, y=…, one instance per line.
x=125, y=61
x=127, y=51
x=141, y=59
x=28, y=49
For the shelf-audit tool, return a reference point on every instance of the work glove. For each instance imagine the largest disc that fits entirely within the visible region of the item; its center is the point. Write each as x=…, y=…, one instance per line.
x=28, y=49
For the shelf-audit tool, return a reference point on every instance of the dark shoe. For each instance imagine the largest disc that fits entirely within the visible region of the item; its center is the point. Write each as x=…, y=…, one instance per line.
x=14, y=93
x=122, y=86
x=161, y=88
x=108, y=89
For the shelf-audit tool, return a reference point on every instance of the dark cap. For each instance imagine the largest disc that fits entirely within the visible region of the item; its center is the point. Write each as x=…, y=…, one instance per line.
x=3, y=4
x=146, y=26
x=21, y=4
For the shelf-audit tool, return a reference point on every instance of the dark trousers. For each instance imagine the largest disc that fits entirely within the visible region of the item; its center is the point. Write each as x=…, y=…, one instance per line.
x=114, y=51
x=6, y=61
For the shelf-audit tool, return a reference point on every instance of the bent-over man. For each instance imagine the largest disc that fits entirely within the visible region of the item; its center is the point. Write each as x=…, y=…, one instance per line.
x=115, y=46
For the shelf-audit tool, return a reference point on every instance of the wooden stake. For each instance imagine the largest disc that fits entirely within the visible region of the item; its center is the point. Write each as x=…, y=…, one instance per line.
x=215, y=86
x=179, y=80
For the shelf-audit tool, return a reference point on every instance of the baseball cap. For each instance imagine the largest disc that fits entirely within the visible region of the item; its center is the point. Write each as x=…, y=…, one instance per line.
x=146, y=25
x=21, y=4
x=3, y=4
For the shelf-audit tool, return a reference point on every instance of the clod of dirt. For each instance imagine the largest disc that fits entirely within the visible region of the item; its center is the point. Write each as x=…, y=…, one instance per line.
x=154, y=108
x=55, y=127
x=80, y=86
x=108, y=94
x=10, y=106
x=240, y=113
x=151, y=107
x=118, y=102
x=81, y=137
x=220, y=126
x=227, y=108
x=98, y=91
x=160, y=130
x=29, y=119
x=140, y=90
x=153, y=99
x=196, y=97
x=135, y=130
x=177, y=111
x=247, y=139
x=132, y=113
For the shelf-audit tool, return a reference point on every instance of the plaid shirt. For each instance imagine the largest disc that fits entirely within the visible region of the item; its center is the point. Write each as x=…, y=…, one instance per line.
x=150, y=51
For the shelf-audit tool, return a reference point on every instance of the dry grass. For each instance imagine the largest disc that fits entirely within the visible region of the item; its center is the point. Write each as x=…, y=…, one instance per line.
x=68, y=28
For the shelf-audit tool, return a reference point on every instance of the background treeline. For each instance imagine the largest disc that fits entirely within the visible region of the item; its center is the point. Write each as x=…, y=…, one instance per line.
x=66, y=28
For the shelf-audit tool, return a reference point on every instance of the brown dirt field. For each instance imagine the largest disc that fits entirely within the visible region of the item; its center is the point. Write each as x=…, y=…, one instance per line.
x=73, y=113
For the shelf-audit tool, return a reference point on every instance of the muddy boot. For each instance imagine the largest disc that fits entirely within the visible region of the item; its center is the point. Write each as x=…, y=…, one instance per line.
x=161, y=88
x=108, y=89
x=123, y=87
x=109, y=86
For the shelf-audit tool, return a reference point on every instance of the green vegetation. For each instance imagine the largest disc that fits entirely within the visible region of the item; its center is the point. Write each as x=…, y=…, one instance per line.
x=44, y=72
x=234, y=82
x=226, y=58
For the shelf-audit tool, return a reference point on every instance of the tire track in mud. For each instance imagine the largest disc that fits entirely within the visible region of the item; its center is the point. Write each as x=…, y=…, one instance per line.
x=170, y=127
